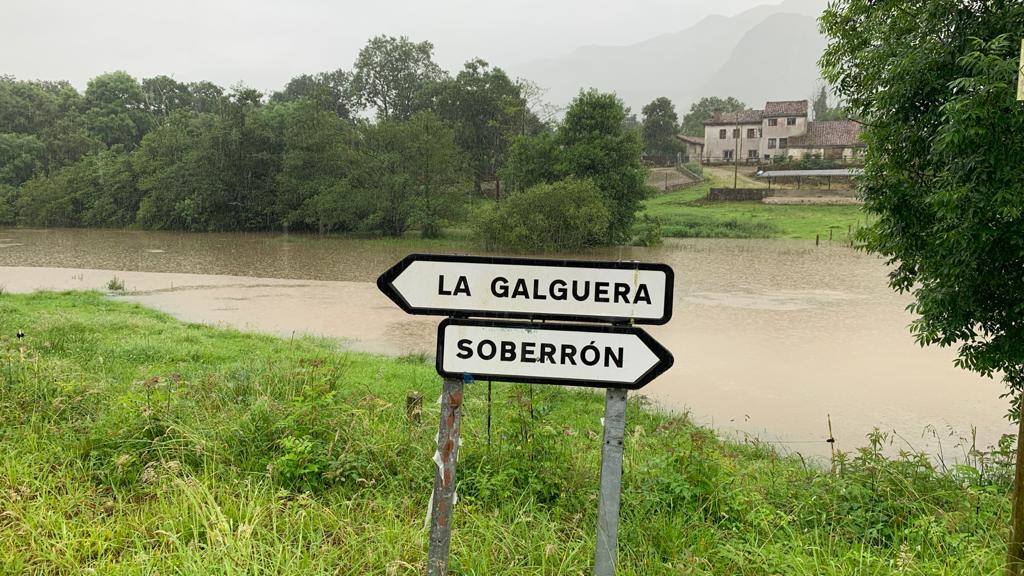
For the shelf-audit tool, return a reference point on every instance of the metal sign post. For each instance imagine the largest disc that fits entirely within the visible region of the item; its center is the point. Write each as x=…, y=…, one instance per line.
x=442, y=503
x=607, y=543
x=613, y=356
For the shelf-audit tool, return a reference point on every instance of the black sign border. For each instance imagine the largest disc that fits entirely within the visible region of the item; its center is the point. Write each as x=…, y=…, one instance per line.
x=384, y=284
x=666, y=360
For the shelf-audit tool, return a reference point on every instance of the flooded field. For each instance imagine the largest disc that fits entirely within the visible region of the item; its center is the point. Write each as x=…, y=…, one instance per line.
x=770, y=336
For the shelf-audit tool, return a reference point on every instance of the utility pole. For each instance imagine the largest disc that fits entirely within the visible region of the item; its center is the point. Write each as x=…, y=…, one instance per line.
x=736, y=159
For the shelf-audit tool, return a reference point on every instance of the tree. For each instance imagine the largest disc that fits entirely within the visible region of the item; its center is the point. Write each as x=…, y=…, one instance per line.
x=565, y=215
x=822, y=110
x=416, y=175
x=163, y=95
x=487, y=109
x=660, y=127
x=330, y=91
x=390, y=74
x=21, y=156
x=595, y=146
x=206, y=97
x=702, y=111
x=313, y=188
x=592, y=143
x=934, y=83
x=115, y=110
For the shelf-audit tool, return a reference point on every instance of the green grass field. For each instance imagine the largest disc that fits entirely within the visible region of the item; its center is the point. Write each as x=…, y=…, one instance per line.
x=136, y=444
x=685, y=214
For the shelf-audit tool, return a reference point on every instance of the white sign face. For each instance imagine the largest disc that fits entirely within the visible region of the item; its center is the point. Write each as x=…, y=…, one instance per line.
x=518, y=288
x=605, y=357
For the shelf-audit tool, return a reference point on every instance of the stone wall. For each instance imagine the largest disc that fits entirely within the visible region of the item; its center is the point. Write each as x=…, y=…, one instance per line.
x=738, y=194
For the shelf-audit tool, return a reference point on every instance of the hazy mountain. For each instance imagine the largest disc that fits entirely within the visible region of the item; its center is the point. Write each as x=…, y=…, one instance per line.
x=767, y=52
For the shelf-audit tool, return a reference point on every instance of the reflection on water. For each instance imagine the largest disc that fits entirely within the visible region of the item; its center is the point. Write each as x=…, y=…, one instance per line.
x=770, y=336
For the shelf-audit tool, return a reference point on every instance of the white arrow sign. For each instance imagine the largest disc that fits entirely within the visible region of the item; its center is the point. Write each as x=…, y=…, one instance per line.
x=531, y=288
x=594, y=356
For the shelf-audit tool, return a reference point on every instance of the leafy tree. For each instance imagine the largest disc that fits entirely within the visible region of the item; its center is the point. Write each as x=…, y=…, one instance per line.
x=31, y=107
x=565, y=215
x=417, y=168
x=390, y=74
x=8, y=201
x=660, y=127
x=163, y=95
x=594, y=145
x=206, y=97
x=702, y=111
x=99, y=190
x=21, y=155
x=330, y=91
x=115, y=110
x=67, y=141
x=821, y=108
x=934, y=83
x=487, y=109
x=318, y=156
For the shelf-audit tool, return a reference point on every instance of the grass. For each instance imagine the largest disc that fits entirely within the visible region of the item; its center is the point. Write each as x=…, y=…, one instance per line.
x=685, y=214
x=136, y=444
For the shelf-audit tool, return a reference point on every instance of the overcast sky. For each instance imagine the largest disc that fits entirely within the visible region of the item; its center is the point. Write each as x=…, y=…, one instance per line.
x=264, y=43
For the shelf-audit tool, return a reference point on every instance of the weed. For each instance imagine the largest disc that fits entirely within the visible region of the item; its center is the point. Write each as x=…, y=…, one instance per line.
x=134, y=443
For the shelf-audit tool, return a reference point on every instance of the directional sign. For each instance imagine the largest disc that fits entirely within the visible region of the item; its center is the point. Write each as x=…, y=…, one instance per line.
x=531, y=288
x=575, y=355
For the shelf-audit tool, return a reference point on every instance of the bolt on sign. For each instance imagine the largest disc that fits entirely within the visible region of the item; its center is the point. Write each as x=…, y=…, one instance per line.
x=577, y=332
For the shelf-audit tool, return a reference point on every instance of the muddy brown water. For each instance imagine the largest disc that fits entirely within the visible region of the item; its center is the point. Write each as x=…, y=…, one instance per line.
x=769, y=336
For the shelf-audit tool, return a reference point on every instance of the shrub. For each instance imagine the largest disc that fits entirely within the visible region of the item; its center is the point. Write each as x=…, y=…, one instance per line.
x=566, y=215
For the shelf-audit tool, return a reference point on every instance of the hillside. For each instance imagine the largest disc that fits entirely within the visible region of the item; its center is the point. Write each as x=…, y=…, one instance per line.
x=766, y=52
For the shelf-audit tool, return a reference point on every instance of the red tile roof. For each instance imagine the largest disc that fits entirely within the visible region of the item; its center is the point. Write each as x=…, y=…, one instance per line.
x=842, y=133
x=785, y=108
x=741, y=117
x=691, y=139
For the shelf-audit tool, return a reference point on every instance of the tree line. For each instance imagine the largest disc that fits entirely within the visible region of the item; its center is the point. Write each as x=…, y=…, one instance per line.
x=392, y=145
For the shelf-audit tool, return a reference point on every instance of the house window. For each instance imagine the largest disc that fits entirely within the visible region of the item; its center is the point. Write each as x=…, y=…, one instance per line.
x=771, y=143
x=727, y=154
x=773, y=121
x=767, y=156
x=752, y=154
x=790, y=121
x=783, y=142
x=735, y=132
x=751, y=132
x=721, y=134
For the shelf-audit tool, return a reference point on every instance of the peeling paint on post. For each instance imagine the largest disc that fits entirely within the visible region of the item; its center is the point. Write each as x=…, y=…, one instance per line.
x=443, y=499
x=611, y=482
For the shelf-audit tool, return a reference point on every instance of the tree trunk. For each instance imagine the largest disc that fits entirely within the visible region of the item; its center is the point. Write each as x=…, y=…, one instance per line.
x=1015, y=553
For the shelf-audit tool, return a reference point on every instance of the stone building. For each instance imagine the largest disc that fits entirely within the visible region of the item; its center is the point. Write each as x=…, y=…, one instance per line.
x=781, y=130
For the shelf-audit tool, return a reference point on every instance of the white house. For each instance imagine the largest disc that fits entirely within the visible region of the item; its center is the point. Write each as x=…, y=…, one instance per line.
x=781, y=130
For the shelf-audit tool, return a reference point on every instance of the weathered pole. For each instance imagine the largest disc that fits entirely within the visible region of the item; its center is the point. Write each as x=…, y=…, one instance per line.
x=611, y=482
x=442, y=502
x=1015, y=553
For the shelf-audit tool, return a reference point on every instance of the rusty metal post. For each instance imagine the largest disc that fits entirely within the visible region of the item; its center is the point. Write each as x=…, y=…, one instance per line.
x=442, y=502
x=607, y=543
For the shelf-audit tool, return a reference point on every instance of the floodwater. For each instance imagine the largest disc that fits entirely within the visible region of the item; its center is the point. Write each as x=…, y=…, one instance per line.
x=770, y=336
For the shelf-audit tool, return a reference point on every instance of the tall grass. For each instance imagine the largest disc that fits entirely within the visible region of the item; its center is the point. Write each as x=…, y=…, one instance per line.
x=136, y=444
